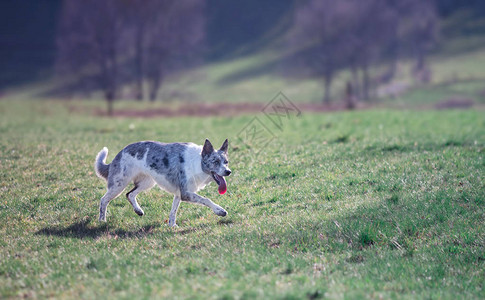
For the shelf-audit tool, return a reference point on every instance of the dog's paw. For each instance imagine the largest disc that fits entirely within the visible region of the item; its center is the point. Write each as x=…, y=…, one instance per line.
x=220, y=211
x=102, y=219
x=139, y=212
x=173, y=225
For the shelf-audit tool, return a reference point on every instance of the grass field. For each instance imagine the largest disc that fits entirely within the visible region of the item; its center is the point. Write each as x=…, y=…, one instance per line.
x=370, y=204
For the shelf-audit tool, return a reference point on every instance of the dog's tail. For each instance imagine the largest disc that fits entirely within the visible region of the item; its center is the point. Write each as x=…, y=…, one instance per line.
x=100, y=166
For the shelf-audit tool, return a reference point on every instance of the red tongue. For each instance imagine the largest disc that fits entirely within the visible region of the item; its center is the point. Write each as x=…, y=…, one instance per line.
x=222, y=184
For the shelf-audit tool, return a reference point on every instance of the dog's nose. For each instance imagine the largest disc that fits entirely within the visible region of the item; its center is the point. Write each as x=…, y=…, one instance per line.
x=228, y=172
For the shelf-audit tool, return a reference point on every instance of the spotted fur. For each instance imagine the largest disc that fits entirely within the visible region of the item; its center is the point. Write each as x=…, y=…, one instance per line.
x=181, y=169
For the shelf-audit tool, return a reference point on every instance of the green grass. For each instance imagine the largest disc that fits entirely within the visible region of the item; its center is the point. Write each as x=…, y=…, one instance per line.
x=353, y=205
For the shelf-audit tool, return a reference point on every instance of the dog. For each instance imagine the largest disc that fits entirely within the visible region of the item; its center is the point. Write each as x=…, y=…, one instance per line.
x=181, y=169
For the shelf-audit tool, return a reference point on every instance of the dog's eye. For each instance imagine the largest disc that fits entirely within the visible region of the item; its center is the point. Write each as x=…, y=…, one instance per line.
x=226, y=162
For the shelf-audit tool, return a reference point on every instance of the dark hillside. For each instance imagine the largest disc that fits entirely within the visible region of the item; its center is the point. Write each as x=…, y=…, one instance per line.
x=28, y=31
x=236, y=27
x=27, y=39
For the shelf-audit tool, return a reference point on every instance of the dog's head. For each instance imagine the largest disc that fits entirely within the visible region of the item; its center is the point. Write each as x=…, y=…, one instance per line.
x=214, y=163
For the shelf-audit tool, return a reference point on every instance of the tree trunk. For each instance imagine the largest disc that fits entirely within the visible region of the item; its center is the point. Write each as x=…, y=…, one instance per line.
x=365, y=83
x=153, y=94
x=108, y=69
x=139, y=63
x=111, y=74
x=155, y=86
x=355, y=82
x=109, y=97
x=420, y=59
x=349, y=96
x=327, y=85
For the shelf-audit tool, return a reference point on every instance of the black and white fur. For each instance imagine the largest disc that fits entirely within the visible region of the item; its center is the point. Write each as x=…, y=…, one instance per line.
x=181, y=169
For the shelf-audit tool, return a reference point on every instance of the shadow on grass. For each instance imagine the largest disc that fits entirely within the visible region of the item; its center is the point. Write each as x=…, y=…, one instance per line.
x=407, y=224
x=193, y=229
x=409, y=147
x=81, y=230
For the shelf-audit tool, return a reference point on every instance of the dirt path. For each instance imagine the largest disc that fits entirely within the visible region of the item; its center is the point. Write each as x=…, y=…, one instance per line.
x=214, y=109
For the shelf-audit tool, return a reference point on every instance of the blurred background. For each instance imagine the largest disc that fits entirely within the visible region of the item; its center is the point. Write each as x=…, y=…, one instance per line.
x=188, y=55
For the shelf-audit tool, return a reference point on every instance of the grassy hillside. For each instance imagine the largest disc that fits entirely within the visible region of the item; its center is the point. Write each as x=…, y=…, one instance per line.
x=256, y=78
x=246, y=58
x=348, y=205
x=246, y=79
x=257, y=74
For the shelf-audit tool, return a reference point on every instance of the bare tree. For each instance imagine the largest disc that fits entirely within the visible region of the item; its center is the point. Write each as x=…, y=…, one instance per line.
x=113, y=42
x=318, y=37
x=340, y=34
x=419, y=28
x=356, y=34
x=165, y=35
x=139, y=15
x=88, y=41
x=174, y=40
x=371, y=30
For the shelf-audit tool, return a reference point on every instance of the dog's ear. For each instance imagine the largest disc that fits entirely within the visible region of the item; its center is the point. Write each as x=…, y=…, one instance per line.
x=224, y=146
x=208, y=149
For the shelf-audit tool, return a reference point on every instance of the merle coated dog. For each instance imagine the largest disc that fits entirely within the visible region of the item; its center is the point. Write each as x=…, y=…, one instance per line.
x=181, y=169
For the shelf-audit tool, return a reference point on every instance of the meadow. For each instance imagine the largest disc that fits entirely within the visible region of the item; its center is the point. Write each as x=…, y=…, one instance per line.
x=366, y=204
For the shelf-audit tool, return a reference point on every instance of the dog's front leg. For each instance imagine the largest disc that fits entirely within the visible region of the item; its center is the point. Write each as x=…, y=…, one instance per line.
x=194, y=198
x=173, y=213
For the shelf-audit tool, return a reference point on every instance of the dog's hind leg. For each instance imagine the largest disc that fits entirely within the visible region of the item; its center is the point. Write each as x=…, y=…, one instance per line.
x=116, y=186
x=119, y=177
x=112, y=193
x=142, y=183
